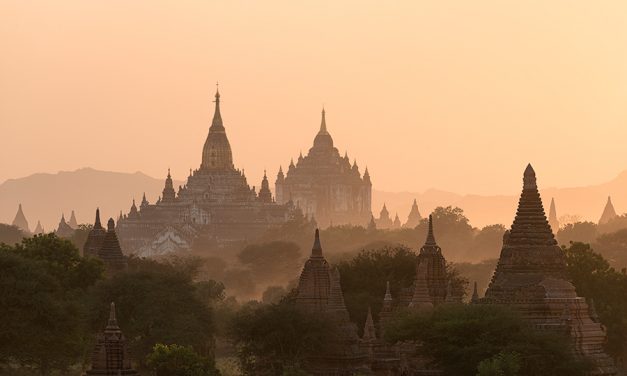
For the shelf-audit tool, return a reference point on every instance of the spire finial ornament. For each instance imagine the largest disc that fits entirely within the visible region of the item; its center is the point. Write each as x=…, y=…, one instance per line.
x=430, y=236
x=97, y=223
x=316, y=250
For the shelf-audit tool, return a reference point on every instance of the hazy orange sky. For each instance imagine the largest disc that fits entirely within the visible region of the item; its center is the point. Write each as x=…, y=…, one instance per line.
x=456, y=95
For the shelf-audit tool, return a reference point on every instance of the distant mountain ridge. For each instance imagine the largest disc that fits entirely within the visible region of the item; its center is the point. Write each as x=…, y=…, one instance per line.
x=45, y=196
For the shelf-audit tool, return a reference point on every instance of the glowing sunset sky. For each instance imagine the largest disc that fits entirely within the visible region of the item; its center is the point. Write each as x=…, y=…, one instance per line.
x=455, y=95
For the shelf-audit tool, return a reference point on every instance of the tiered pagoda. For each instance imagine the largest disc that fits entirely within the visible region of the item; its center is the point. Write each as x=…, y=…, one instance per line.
x=319, y=291
x=20, y=220
x=325, y=185
x=215, y=207
x=531, y=277
x=434, y=267
x=73, y=223
x=110, y=356
x=105, y=246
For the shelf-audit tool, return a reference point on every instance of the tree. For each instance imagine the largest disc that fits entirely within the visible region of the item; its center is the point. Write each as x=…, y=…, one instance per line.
x=175, y=360
x=459, y=337
x=156, y=303
x=79, y=237
x=585, y=232
x=487, y=243
x=276, y=339
x=364, y=277
x=44, y=283
x=595, y=279
x=502, y=364
x=276, y=261
x=613, y=246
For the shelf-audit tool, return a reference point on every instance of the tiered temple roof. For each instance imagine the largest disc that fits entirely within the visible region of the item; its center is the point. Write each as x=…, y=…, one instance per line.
x=20, y=220
x=110, y=356
x=531, y=277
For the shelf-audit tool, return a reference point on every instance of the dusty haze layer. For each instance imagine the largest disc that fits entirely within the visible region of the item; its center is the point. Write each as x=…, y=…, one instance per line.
x=455, y=95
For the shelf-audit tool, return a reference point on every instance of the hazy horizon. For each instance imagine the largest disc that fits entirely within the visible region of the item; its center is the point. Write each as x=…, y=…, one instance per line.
x=449, y=95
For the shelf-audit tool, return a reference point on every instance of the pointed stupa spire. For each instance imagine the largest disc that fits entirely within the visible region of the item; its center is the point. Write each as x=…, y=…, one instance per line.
x=553, y=221
x=608, y=212
x=414, y=217
x=72, y=222
x=216, y=153
x=323, y=122
x=475, y=294
x=370, y=332
x=388, y=294
x=430, y=236
x=97, y=224
x=113, y=321
x=316, y=250
x=323, y=139
x=39, y=228
x=20, y=219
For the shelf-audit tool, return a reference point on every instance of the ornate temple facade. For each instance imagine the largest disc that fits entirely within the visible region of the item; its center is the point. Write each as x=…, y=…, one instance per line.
x=216, y=206
x=325, y=185
x=531, y=277
x=111, y=356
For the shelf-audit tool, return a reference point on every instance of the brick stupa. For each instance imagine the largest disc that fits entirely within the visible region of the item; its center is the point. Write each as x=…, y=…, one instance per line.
x=110, y=356
x=531, y=277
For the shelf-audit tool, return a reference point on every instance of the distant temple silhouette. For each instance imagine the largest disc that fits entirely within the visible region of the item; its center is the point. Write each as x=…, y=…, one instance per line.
x=216, y=206
x=325, y=185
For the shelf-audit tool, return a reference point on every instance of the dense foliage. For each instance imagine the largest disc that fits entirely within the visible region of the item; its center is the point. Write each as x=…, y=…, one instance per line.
x=460, y=337
x=274, y=339
x=175, y=360
x=605, y=288
x=44, y=283
x=364, y=278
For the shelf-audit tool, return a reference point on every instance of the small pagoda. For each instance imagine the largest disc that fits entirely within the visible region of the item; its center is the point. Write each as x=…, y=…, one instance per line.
x=110, y=356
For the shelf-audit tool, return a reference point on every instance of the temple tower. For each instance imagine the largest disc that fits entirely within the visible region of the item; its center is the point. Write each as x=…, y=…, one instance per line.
x=20, y=220
x=414, y=217
x=264, y=193
x=314, y=284
x=63, y=229
x=111, y=252
x=39, y=229
x=95, y=238
x=435, y=266
x=110, y=356
x=531, y=277
x=168, y=194
x=216, y=154
x=553, y=221
x=608, y=212
x=73, y=223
